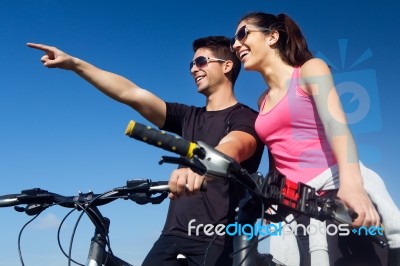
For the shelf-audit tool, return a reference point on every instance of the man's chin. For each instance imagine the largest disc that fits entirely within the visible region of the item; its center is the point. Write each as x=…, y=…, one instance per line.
x=202, y=90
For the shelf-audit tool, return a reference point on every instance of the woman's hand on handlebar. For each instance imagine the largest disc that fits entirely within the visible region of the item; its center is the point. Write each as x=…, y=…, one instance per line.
x=357, y=199
x=184, y=180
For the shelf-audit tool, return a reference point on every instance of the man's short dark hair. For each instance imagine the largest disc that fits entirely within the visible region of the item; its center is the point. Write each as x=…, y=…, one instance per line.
x=220, y=47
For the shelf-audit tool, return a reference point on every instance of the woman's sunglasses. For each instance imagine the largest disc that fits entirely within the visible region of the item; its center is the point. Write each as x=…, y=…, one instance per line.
x=243, y=32
x=202, y=61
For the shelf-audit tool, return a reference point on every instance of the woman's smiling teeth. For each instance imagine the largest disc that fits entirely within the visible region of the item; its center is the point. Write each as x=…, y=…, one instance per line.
x=243, y=53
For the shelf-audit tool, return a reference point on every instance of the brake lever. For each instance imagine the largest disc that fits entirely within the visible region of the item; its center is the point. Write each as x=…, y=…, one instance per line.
x=193, y=164
x=144, y=198
x=32, y=209
x=336, y=210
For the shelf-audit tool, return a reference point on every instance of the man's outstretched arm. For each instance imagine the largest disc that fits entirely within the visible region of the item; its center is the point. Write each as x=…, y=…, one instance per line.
x=115, y=86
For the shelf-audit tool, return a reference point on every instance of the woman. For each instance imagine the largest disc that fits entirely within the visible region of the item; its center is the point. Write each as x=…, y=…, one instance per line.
x=302, y=123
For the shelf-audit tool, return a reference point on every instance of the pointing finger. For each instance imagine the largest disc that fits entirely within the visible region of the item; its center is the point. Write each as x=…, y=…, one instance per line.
x=39, y=46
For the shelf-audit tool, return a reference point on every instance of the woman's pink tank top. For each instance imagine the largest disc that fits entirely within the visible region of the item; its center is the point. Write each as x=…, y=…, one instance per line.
x=294, y=134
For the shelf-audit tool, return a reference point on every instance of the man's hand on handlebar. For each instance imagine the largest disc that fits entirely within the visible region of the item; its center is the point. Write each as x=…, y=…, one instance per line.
x=184, y=180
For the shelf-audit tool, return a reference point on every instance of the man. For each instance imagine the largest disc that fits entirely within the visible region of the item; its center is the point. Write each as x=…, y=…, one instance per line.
x=223, y=123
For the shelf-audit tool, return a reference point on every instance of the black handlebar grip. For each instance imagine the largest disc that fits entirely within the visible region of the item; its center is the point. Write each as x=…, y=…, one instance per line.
x=160, y=139
x=9, y=200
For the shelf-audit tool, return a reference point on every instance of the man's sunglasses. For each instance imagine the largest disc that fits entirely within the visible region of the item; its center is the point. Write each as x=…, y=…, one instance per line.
x=243, y=32
x=202, y=61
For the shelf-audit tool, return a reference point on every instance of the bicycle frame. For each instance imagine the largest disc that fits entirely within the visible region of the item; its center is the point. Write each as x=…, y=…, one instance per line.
x=98, y=255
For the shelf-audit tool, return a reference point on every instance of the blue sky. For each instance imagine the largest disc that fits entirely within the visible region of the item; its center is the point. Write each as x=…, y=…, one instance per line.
x=60, y=134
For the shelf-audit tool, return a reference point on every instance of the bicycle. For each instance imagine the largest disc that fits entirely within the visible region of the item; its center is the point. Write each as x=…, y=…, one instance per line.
x=272, y=191
x=262, y=193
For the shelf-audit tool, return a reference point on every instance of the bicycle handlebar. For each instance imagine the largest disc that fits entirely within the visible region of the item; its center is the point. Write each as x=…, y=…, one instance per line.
x=141, y=191
x=163, y=140
x=9, y=200
x=204, y=158
x=292, y=196
x=138, y=190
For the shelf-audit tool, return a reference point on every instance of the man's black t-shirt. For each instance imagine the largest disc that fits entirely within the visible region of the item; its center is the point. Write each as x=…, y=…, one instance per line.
x=217, y=204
